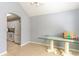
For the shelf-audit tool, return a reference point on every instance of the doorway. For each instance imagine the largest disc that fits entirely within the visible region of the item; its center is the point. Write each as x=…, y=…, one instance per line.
x=14, y=31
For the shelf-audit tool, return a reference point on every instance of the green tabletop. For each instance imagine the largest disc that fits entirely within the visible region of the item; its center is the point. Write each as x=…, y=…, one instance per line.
x=49, y=37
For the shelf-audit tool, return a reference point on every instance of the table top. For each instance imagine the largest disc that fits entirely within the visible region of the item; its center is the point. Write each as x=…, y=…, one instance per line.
x=57, y=39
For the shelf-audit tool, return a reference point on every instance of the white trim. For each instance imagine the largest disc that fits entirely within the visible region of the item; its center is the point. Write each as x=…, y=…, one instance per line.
x=39, y=43
x=55, y=46
x=3, y=53
x=25, y=43
x=46, y=45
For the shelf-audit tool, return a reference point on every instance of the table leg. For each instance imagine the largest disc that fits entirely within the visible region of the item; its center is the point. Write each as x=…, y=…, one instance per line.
x=67, y=53
x=66, y=47
x=51, y=49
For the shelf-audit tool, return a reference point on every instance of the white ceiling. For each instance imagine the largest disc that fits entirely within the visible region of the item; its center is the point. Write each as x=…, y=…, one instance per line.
x=46, y=8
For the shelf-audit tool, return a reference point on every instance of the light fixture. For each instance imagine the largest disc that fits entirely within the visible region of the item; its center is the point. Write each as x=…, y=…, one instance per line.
x=9, y=14
x=36, y=3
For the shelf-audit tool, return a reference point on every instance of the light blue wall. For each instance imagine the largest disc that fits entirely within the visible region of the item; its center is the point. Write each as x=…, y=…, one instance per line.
x=13, y=7
x=55, y=24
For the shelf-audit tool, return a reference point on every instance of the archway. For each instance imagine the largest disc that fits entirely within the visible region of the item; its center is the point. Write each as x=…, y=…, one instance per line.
x=14, y=30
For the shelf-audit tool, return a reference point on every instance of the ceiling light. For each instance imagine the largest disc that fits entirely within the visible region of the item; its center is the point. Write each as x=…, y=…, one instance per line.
x=36, y=3
x=9, y=14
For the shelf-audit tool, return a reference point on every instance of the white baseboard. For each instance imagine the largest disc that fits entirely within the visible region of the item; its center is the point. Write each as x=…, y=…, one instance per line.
x=3, y=53
x=39, y=43
x=55, y=46
x=34, y=43
x=25, y=43
x=46, y=45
